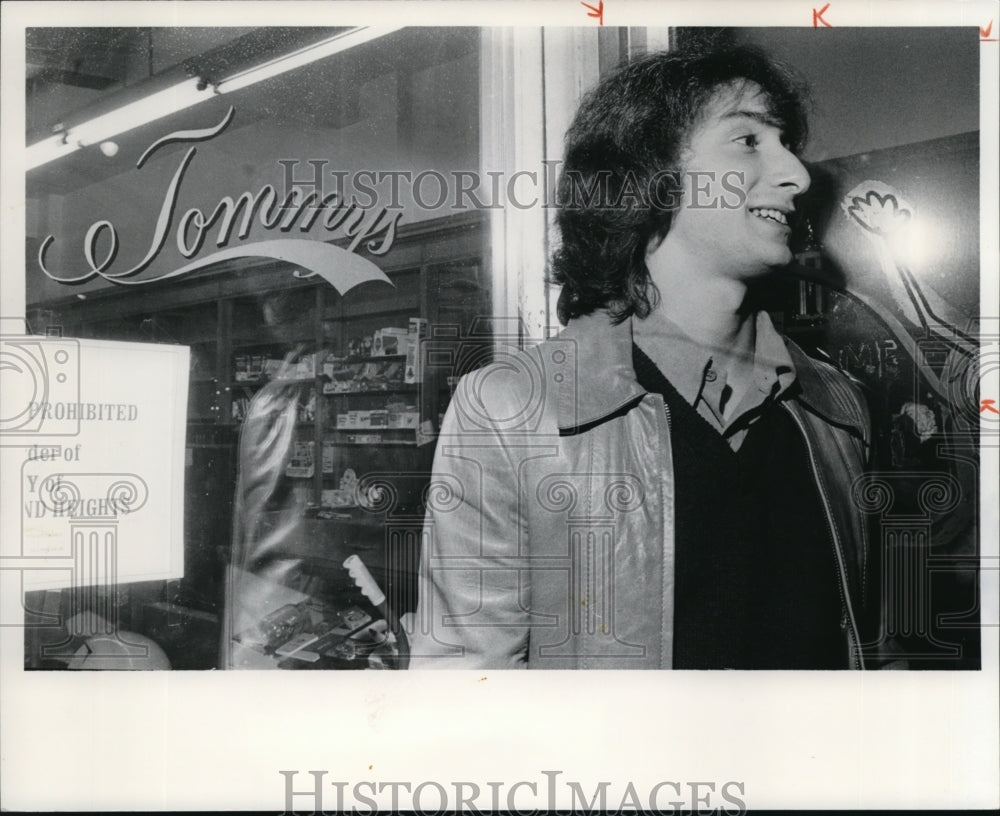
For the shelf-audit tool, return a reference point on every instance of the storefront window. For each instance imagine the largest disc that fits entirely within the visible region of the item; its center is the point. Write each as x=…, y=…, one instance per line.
x=337, y=224
x=315, y=235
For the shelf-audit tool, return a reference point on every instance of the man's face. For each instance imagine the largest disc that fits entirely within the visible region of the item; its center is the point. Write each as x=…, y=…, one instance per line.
x=739, y=187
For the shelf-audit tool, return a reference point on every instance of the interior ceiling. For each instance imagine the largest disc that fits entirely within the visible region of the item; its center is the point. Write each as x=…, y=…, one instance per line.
x=69, y=62
x=70, y=69
x=78, y=58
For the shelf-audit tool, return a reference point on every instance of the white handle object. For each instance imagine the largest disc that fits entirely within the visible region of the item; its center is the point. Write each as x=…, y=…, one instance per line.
x=363, y=579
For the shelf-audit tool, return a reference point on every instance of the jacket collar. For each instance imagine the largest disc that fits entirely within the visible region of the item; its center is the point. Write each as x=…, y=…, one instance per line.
x=600, y=380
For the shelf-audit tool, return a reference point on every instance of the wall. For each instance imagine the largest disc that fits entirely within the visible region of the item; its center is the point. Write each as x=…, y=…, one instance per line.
x=876, y=88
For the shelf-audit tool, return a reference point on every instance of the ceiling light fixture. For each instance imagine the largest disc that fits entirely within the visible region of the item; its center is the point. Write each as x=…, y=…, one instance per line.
x=186, y=94
x=133, y=115
x=304, y=56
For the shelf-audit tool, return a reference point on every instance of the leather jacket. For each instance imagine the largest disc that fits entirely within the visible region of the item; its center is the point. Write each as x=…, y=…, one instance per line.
x=549, y=535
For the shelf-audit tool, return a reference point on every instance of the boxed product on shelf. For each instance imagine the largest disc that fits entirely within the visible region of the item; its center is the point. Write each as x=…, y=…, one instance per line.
x=391, y=373
x=300, y=466
x=417, y=326
x=254, y=367
x=340, y=375
x=329, y=450
x=343, y=377
x=358, y=347
x=248, y=367
x=365, y=439
x=305, y=367
x=405, y=418
x=395, y=415
x=388, y=341
x=414, y=362
x=414, y=365
x=353, y=419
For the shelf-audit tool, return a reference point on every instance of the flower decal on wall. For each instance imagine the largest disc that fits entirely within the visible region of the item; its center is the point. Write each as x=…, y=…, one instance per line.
x=877, y=208
x=906, y=304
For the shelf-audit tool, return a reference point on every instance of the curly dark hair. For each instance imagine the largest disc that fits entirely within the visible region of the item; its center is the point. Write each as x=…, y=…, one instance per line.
x=621, y=178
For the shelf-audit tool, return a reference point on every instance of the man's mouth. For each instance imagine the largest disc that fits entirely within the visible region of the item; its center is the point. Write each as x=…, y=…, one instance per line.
x=769, y=214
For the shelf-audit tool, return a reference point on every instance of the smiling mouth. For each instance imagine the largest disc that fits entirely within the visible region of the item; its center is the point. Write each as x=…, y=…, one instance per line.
x=777, y=216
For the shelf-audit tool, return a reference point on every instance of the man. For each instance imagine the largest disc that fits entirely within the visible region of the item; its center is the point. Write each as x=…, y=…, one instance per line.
x=666, y=484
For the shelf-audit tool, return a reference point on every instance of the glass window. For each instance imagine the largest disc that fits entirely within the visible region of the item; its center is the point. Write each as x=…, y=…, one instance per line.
x=291, y=209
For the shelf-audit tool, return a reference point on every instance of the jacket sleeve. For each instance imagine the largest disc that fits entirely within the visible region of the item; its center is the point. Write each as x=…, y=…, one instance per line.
x=473, y=587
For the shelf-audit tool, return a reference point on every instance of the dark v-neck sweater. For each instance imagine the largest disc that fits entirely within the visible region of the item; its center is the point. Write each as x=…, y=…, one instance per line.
x=756, y=576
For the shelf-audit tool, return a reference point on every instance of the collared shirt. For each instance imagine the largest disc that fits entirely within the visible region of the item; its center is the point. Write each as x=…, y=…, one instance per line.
x=699, y=376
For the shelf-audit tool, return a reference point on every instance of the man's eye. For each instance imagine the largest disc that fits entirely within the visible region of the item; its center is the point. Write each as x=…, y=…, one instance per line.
x=750, y=140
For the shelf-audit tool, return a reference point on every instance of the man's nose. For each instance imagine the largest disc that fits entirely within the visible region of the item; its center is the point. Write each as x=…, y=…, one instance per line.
x=791, y=173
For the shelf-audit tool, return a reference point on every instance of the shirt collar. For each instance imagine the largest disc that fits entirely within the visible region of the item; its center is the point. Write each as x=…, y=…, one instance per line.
x=687, y=365
x=594, y=376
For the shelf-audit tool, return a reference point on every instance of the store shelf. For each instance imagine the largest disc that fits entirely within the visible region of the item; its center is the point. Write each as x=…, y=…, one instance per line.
x=239, y=342
x=385, y=443
x=262, y=382
x=372, y=358
x=372, y=429
x=399, y=389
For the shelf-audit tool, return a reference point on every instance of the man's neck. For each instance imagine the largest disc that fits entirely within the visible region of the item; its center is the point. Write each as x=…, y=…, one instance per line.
x=712, y=308
x=713, y=312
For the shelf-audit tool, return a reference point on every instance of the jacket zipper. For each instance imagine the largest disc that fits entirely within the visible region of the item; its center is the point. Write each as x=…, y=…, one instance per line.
x=673, y=615
x=845, y=606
